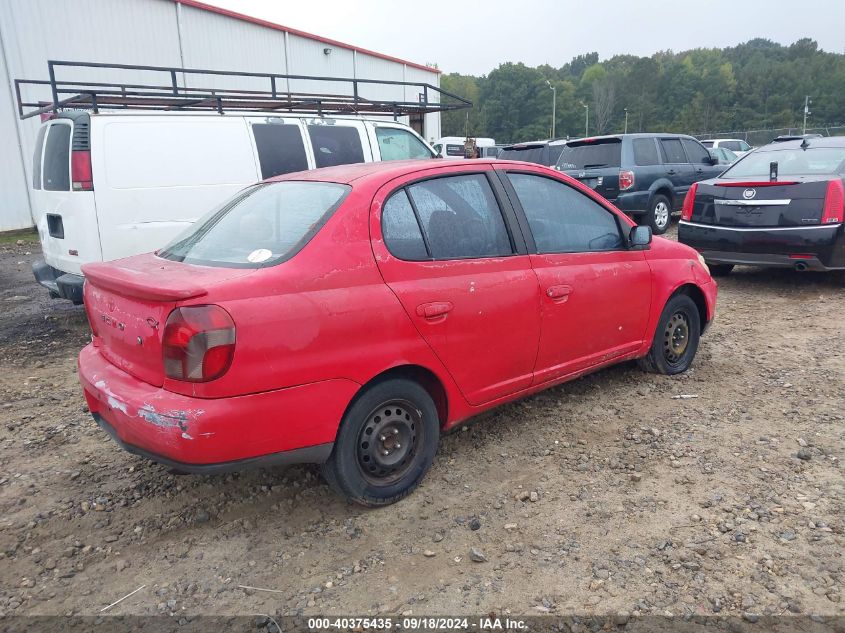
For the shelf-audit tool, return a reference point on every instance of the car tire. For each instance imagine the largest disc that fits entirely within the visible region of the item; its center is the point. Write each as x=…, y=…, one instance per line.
x=675, y=338
x=659, y=214
x=385, y=445
x=720, y=270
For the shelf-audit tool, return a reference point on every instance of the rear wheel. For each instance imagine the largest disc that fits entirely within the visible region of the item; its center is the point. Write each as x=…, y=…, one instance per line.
x=659, y=213
x=385, y=445
x=720, y=270
x=675, y=339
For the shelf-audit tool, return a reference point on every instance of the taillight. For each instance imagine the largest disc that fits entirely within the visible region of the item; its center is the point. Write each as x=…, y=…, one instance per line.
x=626, y=180
x=80, y=170
x=834, y=203
x=199, y=342
x=689, y=202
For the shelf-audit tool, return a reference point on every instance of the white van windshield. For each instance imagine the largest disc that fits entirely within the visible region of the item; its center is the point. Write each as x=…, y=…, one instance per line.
x=262, y=226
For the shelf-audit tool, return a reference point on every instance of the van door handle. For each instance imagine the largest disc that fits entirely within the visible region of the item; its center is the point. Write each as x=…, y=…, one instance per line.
x=671, y=172
x=434, y=310
x=558, y=293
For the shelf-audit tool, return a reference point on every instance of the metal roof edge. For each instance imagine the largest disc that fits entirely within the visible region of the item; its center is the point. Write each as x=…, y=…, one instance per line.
x=278, y=27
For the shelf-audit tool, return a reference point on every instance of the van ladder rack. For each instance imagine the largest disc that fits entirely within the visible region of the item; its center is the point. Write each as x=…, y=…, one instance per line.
x=176, y=95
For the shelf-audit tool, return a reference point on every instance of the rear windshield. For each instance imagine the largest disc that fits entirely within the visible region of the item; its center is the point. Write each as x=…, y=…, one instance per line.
x=529, y=154
x=591, y=155
x=791, y=162
x=262, y=226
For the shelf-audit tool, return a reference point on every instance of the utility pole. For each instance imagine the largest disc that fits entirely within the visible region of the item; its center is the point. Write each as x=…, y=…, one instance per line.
x=586, y=119
x=626, y=120
x=554, y=104
x=807, y=102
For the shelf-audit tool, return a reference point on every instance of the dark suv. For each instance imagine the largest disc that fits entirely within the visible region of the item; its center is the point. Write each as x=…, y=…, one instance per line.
x=644, y=175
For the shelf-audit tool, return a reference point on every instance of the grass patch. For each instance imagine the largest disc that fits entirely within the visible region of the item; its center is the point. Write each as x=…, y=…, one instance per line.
x=11, y=237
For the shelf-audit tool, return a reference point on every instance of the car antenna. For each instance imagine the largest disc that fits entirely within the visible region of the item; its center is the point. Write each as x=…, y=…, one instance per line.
x=773, y=171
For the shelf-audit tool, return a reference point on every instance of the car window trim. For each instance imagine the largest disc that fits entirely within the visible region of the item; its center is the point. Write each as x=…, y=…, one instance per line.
x=512, y=237
x=626, y=246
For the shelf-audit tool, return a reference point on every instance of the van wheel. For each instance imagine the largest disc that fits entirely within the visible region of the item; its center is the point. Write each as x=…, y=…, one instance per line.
x=659, y=213
x=385, y=444
x=720, y=270
x=675, y=339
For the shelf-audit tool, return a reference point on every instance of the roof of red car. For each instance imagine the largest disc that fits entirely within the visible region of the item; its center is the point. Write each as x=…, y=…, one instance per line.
x=385, y=170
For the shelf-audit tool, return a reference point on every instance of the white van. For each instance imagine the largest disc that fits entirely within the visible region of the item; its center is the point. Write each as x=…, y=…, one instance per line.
x=109, y=185
x=453, y=147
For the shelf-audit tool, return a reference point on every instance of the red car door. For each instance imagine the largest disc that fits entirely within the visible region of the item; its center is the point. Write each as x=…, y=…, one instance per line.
x=463, y=276
x=595, y=292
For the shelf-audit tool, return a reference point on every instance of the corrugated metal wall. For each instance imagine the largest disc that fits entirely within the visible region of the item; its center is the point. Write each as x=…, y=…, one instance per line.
x=155, y=33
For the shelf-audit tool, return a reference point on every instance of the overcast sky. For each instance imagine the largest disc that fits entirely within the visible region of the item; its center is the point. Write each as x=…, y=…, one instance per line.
x=476, y=36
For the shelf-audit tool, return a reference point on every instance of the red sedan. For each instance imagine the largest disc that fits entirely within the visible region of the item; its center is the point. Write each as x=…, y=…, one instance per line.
x=348, y=316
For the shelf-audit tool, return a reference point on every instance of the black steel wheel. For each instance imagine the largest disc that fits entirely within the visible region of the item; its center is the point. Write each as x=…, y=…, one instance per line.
x=386, y=443
x=675, y=339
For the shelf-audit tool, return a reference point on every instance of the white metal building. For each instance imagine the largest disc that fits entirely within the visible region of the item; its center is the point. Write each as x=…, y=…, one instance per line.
x=183, y=33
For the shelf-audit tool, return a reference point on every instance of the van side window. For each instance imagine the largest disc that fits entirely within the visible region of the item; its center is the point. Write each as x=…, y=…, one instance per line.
x=564, y=220
x=401, y=231
x=336, y=145
x=281, y=149
x=645, y=152
x=57, y=158
x=36, y=158
x=696, y=153
x=672, y=150
x=461, y=217
x=398, y=144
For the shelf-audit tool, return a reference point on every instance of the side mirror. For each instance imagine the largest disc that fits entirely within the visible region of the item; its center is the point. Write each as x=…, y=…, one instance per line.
x=712, y=159
x=640, y=236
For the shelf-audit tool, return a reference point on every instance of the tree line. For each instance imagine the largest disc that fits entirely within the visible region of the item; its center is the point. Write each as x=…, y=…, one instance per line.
x=756, y=85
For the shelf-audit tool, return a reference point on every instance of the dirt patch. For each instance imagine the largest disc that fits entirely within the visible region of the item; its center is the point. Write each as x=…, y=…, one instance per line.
x=608, y=494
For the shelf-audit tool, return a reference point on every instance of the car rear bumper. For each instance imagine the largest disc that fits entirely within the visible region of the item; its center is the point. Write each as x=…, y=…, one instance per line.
x=285, y=426
x=804, y=247
x=61, y=285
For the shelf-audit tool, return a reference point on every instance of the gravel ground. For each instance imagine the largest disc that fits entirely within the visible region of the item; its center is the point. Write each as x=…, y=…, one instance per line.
x=716, y=492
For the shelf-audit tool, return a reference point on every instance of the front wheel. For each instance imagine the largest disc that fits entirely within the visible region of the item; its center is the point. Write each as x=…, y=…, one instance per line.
x=385, y=445
x=675, y=339
x=659, y=213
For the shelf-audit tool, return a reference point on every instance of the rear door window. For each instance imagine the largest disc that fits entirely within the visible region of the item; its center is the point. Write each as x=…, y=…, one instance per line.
x=36, y=157
x=281, y=149
x=673, y=151
x=591, y=155
x=645, y=152
x=336, y=145
x=564, y=220
x=461, y=217
x=57, y=158
x=398, y=144
x=696, y=153
x=735, y=146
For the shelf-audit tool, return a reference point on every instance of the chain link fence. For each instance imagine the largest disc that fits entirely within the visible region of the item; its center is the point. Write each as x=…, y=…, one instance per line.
x=762, y=137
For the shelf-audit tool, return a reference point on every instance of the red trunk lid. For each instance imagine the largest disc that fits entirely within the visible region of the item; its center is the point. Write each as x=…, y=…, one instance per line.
x=128, y=302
